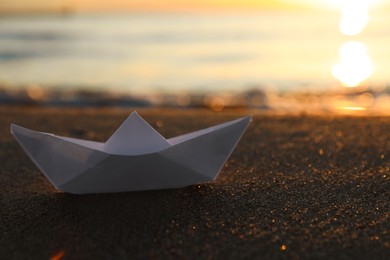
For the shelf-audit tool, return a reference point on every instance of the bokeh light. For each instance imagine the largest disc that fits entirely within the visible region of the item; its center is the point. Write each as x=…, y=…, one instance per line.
x=354, y=17
x=355, y=65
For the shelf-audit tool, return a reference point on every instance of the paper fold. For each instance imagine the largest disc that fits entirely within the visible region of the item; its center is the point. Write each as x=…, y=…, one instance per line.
x=136, y=157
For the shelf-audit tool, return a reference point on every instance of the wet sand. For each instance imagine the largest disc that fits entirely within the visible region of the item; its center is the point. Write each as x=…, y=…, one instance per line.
x=297, y=186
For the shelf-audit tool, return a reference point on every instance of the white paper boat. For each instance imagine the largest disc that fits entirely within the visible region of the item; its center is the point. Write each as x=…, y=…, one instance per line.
x=134, y=158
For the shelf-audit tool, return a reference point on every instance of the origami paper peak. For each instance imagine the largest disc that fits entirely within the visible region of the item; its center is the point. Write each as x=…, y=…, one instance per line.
x=135, y=136
x=135, y=157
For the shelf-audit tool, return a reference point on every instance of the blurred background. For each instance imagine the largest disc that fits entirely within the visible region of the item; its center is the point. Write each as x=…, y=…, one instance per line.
x=287, y=55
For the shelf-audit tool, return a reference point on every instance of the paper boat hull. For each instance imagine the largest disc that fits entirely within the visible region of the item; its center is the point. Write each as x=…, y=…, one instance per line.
x=79, y=169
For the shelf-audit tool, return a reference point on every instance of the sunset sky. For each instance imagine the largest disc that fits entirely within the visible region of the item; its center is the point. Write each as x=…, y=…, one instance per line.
x=343, y=40
x=113, y=5
x=90, y=5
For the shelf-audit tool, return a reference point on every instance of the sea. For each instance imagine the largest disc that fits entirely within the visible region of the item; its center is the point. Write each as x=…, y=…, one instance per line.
x=184, y=52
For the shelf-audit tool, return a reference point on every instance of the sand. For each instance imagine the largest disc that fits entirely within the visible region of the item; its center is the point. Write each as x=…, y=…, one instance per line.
x=297, y=186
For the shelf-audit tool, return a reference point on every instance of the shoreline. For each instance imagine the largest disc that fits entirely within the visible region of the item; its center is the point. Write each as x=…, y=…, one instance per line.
x=362, y=100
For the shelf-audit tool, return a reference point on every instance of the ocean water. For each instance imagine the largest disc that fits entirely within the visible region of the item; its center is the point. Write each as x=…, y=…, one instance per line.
x=144, y=52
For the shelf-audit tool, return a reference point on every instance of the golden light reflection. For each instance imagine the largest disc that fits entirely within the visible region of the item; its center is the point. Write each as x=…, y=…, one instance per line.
x=35, y=92
x=354, y=16
x=355, y=65
x=217, y=104
x=357, y=108
x=58, y=255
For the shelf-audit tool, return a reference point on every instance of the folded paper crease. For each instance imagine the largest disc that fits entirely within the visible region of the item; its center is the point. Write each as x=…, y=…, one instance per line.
x=136, y=157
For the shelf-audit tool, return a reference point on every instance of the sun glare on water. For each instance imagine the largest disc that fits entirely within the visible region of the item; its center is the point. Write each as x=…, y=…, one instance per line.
x=354, y=16
x=355, y=65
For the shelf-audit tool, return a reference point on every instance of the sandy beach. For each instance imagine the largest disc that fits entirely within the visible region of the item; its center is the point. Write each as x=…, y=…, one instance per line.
x=296, y=187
